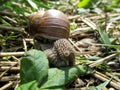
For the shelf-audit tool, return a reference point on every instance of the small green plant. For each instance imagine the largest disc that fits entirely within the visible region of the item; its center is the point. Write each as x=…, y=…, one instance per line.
x=35, y=73
x=105, y=39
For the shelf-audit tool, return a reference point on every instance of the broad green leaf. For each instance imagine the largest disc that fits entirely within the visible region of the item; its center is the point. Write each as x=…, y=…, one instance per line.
x=60, y=77
x=28, y=86
x=34, y=66
x=104, y=37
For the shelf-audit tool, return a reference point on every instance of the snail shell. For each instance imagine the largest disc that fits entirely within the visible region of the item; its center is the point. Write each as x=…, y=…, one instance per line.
x=53, y=24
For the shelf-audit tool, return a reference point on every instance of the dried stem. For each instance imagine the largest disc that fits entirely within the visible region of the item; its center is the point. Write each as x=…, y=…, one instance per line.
x=7, y=70
x=98, y=62
x=114, y=84
x=9, y=78
x=13, y=69
x=18, y=29
x=4, y=54
x=7, y=63
x=96, y=17
x=6, y=86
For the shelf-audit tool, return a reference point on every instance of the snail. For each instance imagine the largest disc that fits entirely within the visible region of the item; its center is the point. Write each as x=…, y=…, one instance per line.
x=53, y=27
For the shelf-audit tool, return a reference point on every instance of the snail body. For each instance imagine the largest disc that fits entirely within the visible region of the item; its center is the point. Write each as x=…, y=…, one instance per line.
x=62, y=53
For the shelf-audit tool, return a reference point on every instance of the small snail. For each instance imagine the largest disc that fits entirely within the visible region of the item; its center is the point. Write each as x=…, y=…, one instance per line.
x=51, y=24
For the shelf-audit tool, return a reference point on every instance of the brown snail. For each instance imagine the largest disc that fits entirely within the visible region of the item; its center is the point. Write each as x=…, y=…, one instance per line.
x=51, y=24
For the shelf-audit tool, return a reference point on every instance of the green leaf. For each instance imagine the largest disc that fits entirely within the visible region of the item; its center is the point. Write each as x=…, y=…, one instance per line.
x=34, y=66
x=83, y=4
x=104, y=37
x=86, y=3
x=111, y=46
x=5, y=22
x=100, y=87
x=73, y=26
x=60, y=77
x=28, y=86
x=94, y=58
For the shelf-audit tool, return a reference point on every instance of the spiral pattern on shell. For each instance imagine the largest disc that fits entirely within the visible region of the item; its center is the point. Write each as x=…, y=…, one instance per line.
x=53, y=24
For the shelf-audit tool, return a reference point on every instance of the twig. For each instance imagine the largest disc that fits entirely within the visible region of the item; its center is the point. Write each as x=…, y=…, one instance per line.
x=75, y=45
x=4, y=54
x=73, y=17
x=13, y=69
x=9, y=78
x=16, y=59
x=18, y=29
x=7, y=14
x=80, y=30
x=115, y=73
x=109, y=74
x=7, y=70
x=7, y=63
x=4, y=13
x=17, y=84
x=6, y=86
x=108, y=26
x=103, y=16
x=98, y=62
x=113, y=84
x=89, y=23
x=95, y=17
x=10, y=19
x=25, y=45
x=29, y=40
x=80, y=51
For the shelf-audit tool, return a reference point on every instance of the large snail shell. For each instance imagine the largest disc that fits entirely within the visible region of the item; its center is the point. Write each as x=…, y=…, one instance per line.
x=52, y=25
